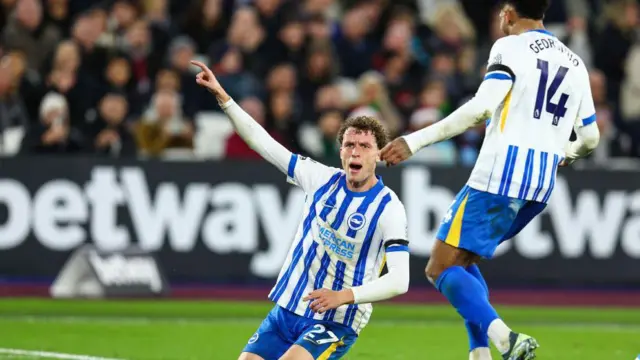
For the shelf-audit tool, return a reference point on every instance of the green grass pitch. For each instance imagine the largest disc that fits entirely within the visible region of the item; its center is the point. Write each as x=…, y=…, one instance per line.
x=214, y=330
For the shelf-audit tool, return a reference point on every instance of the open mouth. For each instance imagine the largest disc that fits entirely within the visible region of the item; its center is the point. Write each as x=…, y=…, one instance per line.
x=355, y=166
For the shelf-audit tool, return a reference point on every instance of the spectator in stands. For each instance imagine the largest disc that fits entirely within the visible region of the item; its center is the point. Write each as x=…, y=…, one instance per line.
x=271, y=14
x=181, y=51
x=67, y=56
x=319, y=70
x=27, y=32
x=85, y=32
x=282, y=77
x=110, y=135
x=284, y=119
x=352, y=46
x=6, y=6
x=374, y=101
x=614, y=43
x=329, y=124
x=328, y=98
x=232, y=74
x=432, y=99
x=163, y=127
x=118, y=78
x=146, y=58
x=205, y=23
x=318, y=27
x=57, y=14
x=167, y=79
x=13, y=114
x=53, y=135
x=236, y=147
x=290, y=44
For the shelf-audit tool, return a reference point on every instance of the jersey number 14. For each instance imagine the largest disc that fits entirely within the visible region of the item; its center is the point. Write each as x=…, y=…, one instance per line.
x=544, y=96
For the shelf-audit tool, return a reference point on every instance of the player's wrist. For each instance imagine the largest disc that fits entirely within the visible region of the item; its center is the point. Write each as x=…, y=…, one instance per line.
x=347, y=296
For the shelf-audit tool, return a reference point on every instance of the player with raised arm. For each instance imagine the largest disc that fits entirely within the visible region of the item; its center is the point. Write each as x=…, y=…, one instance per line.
x=535, y=92
x=352, y=225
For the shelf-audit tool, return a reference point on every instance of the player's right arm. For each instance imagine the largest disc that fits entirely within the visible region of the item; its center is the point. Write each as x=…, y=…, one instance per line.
x=586, y=128
x=492, y=92
x=306, y=173
x=249, y=130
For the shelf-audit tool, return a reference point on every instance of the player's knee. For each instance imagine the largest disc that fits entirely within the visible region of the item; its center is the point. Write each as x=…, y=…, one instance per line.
x=432, y=272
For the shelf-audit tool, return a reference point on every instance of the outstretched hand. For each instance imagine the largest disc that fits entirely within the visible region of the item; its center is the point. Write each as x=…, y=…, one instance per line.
x=206, y=79
x=395, y=152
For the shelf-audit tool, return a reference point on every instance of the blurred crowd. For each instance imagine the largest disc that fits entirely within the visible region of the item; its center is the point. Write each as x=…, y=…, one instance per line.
x=113, y=78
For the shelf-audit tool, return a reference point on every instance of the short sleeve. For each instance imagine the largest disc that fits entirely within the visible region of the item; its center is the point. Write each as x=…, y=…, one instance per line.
x=308, y=173
x=503, y=60
x=587, y=110
x=393, y=226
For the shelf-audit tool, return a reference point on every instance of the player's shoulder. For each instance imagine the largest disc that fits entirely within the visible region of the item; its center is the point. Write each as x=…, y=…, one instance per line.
x=508, y=44
x=394, y=203
x=507, y=51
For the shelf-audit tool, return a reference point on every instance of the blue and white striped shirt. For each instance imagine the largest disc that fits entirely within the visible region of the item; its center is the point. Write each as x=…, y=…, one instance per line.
x=340, y=241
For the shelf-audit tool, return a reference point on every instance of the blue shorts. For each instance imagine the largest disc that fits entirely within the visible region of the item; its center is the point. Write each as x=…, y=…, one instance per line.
x=479, y=221
x=282, y=328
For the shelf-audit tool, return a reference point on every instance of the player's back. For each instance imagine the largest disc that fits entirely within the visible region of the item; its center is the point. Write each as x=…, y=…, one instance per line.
x=527, y=134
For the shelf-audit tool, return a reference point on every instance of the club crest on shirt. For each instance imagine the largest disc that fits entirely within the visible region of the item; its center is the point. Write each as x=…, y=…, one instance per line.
x=356, y=221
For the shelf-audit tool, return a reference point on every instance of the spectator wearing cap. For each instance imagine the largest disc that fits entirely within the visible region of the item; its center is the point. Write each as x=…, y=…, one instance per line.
x=53, y=134
x=27, y=32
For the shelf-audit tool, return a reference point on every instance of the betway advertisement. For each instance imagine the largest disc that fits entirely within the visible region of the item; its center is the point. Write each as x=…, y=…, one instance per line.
x=233, y=223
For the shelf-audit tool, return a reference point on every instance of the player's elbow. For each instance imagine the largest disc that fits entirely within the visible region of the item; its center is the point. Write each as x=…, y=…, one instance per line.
x=401, y=286
x=592, y=141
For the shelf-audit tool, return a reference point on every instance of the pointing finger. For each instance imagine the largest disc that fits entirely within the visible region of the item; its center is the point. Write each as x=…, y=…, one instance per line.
x=198, y=64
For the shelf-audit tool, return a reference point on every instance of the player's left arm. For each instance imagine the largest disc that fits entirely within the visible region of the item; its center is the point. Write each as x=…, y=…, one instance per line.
x=393, y=226
x=494, y=88
x=586, y=128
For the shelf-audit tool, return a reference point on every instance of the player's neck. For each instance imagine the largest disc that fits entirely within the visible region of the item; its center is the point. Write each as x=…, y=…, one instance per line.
x=362, y=186
x=524, y=25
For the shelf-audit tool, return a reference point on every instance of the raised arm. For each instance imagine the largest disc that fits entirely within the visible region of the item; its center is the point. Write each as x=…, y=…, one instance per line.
x=248, y=129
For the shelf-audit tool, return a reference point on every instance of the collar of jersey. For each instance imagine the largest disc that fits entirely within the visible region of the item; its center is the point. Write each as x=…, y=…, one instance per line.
x=543, y=31
x=375, y=188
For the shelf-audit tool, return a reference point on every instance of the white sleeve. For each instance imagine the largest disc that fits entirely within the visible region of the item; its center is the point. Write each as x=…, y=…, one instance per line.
x=308, y=174
x=492, y=92
x=396, y=281
x=489, y=96
x=587, y=132
x=256, y=136
x=301, y=171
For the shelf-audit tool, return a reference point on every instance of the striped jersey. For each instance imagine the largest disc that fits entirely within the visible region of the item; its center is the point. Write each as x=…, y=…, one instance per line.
x=340, y=242
x=526, y=137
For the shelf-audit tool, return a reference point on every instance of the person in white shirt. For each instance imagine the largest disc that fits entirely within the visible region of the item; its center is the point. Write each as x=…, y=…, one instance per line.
x=535, y=92
x=351, y=227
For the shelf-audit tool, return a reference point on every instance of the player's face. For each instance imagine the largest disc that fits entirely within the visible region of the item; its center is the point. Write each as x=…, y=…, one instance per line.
x=359, y=154
x=507, y=17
